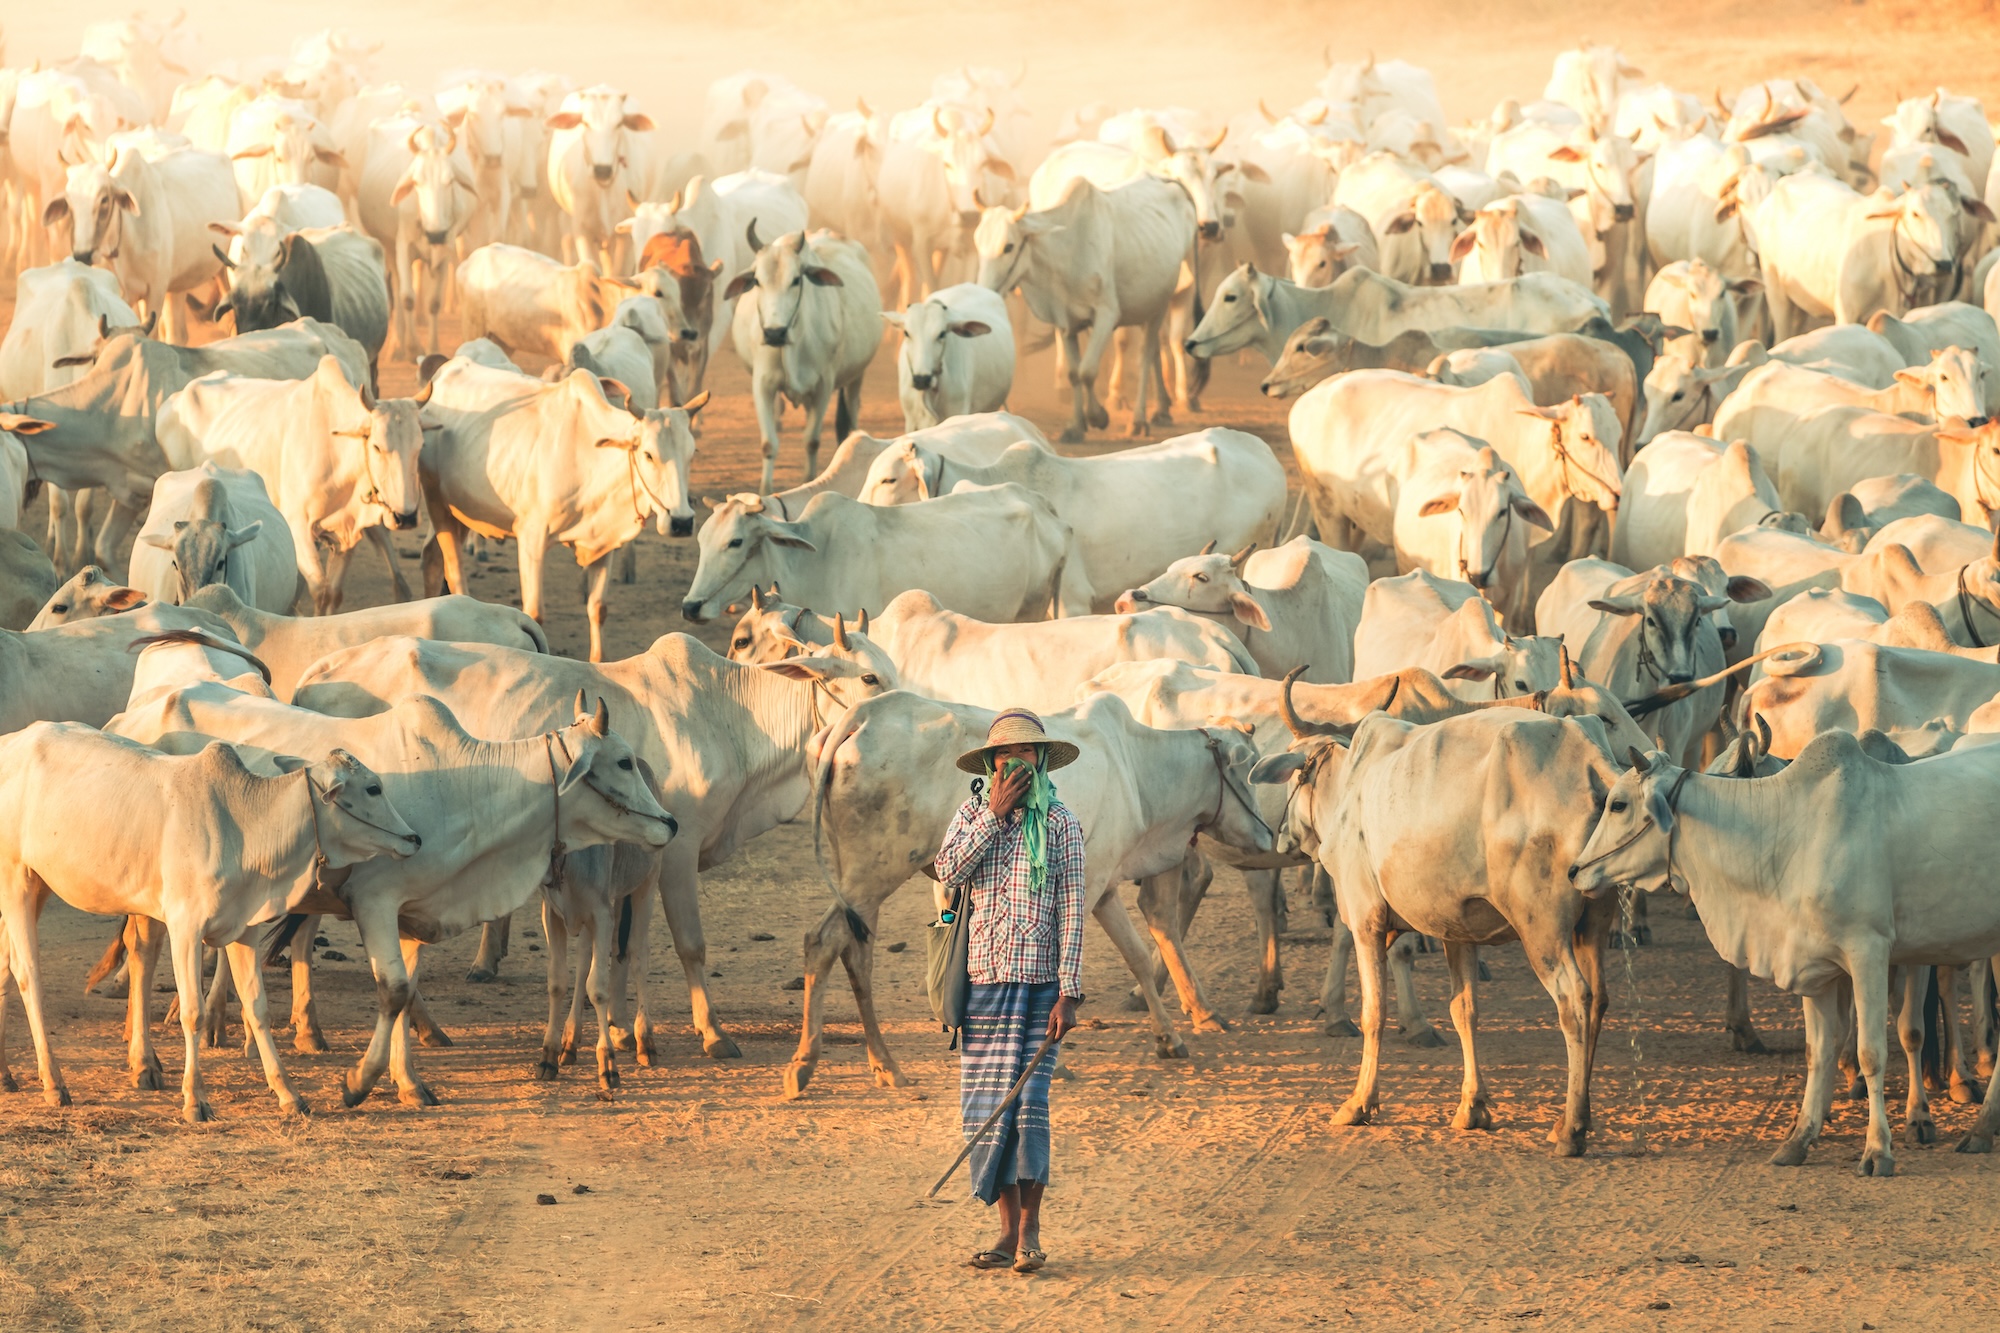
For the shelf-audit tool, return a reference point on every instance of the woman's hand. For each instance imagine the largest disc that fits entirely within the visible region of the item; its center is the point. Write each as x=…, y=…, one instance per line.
x=1062, y=1018
x=1007, y=789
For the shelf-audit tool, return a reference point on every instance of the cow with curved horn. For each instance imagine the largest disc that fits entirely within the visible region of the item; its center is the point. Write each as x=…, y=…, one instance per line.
x=931, y=187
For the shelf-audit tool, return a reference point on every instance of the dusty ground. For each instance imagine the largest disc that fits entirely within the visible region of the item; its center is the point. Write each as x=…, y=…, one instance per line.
x=1194, y=1195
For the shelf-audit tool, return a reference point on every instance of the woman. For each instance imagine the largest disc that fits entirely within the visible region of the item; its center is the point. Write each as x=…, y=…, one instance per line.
x=1020, y=853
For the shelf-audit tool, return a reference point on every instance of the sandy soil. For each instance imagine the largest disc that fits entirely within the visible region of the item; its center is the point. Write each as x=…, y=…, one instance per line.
x=1203, y=1194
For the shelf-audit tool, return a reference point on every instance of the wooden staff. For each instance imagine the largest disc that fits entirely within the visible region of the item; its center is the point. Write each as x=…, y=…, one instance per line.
x=980, y=1133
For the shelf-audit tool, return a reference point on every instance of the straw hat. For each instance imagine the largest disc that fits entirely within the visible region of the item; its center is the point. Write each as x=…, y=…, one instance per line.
x=1017, y=726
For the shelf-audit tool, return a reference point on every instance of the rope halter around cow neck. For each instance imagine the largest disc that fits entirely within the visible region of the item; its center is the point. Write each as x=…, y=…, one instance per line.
x=1646, y=826
x=1965, y=605
x=558, y=852
x=1225, y=790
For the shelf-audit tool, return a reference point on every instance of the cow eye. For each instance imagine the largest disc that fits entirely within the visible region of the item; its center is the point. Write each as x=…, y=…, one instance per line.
x=60, y=608
x=375, y=790
x=1678, y=396
x=1229, y=298
x=743, y=642
x=1201, y=578
x=1521, y=685
x=870, y=678
x=1618, y=807
x=625, y=764
x=735, y=542
x=1007, y=249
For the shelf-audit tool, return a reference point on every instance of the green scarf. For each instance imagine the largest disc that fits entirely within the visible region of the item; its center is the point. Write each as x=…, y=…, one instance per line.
x=1035, y=817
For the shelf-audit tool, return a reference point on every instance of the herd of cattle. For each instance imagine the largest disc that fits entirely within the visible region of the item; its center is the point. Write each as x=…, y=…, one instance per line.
x=1672, y=421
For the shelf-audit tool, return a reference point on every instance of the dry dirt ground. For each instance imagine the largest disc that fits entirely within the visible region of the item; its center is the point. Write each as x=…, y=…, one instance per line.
x=1198, y=1194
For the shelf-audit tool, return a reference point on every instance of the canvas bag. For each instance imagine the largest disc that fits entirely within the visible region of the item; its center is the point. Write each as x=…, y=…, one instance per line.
x=947, y=969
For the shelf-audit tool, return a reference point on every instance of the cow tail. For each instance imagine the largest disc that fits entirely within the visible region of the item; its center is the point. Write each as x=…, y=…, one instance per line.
x=624, y=952
x=836, y=736
x=108, y=964
x=537, y=636
x=280, y=935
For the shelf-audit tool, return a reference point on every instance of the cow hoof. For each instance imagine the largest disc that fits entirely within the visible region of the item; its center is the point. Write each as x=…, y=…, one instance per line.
x=1098, y=417
x=1264, y=1004
x=1163, y=417
x=546, y=1071
x=1793, y=1153
x=198, y=1113
x=1140, y=430
x=1170, y=1047
x=569, y=1055
x=886, y=1077
x=1876, y=1162
x=1351, y=1113
x=148, y=1079
x=797, y=1076
x=482, y=974
x=1341, y=1027
x=720, y=1047
x=647, y=1056
x=1618, y=939
x=8, y=1083
x=1857, y=1091
x=1967, y=1094
x=296, y=1106
x=605, y=1094
x=56, y=1096
x=1071, y=436
x=1210, y=1023
x=1134, y=1002
x=1476, y=1116
x=352, y=1094
x=1747, y=1041
x=1642, y=935
x=1920, y=1132
x=434, y=1037
x=417, y=1094
x=1423, y=1039
x=1569, y=1145
x=622, y=1040
x=609, y=1076
x=309, y=1043
x=1979, y=1143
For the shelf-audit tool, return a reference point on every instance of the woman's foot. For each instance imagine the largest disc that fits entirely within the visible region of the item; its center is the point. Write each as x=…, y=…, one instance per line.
x=993, y=1259
x=1031, y=1259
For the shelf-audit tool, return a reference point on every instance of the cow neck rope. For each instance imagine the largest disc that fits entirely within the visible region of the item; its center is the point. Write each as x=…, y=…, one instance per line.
x=1222, y=783
x=1908, y=293
x=1568, y=461
x=1673, y=807
x=1465, y=566
x=374, y=495
x=1965, y=605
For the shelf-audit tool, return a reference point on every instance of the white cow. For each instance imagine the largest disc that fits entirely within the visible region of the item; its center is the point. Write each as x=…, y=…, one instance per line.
x=1703, y=194
x=599, y=154
x=527, y=302
x=1461, y=513
x=808, y=335
x=1592, y=80
x=997, y=553
x=1691, y=295
x=1768, y=406
x=957, y=356
x=1683, y=494
x=1445, y=627
x=1920, y=335
x=278, y=141
x=1602, y=167
x=1349, y=433
x=200, y=843
x=741, y=112
x=338, y=463
x=1375, y=88
x=416, y=197
x=55, y=120
x=1294, y=606
x=1945, y=124
x=840, y=185
x=980, y=439
x=1133, y=512
x=1328, y=243
x=213, y=524
x=1415, y=220
x=728, y=215
x=1095, y=262
x=479, y=105
x=1522, y=233
x=936, y=176
x=144, y=210
x=1845, y=911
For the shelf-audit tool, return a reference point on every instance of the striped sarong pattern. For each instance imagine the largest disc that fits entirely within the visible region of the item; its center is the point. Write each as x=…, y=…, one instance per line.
x=1004, y=1024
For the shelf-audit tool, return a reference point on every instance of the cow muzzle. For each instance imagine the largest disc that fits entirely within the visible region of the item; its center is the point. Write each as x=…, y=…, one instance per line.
x=776, y=337
x=691, y=611
x=1710, y=335
x=1188, y=346
x=1943, y=268
x=437, y=237
x=1441, y=274
x=681, y=527
x=923, y=381
x=1974, y=423
x=1211, y=231
x=690, y=335
x=602, y=174
x=405, y=521
x=82, y=257
x=1130, y=600
x=1621, y=212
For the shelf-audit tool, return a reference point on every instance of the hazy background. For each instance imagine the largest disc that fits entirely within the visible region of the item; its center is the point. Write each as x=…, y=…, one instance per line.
x=1218, y=56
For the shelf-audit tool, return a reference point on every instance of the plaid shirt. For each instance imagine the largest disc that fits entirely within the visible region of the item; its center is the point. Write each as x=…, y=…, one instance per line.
x=1018, y=935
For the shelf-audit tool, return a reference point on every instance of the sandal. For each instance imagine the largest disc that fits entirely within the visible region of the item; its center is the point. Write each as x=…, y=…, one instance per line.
x=1030, y=1261
x=992, y=1259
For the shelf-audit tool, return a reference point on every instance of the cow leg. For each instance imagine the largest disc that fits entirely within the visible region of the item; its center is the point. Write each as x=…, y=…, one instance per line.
x=1918, y=1125
x=20, y=910
x=429, y=1032
x=1117, y=922
x=1411, y=1022
x=435, y=295
x=579, y=976
x=1267, y=900
x=1103, y=328
x=555, y=933
x=1158, y=895
x=492, y=948
x=1149, y=379
x=1333, y=992
x=379, y=538
x=307, y=1038
x=186, y=946
x=532, y=544
x=1979, y=1139
x=410, y=1087
x=1196, y=876
x=215, y=1004
x=628, y=563
x=1871, y=1014
x=858, y=957
x=1964, y=1088
x=111, y=537
x=637, y=1036
x=1556, y=967
x=1736, y=1014
x=823, y=943
x=764, y=397
x=680, y=895
x=1984, y=1013
x=248, y=971
x=1850, y=1060
x=602, y=936
x=596, y=576
x=1372, y=956
x=815, y=424
x=8, y=1083
x=377, y=925
x=1079, y=415
x=1473, y=1111
x=1825, y=1020
x=142, y=936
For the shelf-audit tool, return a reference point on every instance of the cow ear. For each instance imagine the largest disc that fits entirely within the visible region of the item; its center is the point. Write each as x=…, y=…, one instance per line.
x=244, y=536
x=1534, y=513
x=1640, y=764
x=738, y=285
x=1743, y=588
x=124, y=599
x=402, y=190
x=1566, y=153
x=1249, y=612
x=564, y=120
x=1277, y=768
x=1466, y=243
x=1401, y=224
x=1439, y=504
x=1978, y=209
x=895, y=320
x=225, y=228
x=20, y=425
x=1533, y=245
x=971, y=328
x=823, y=277
x=1613, y=608
x=162, y=540
x=1472, y=671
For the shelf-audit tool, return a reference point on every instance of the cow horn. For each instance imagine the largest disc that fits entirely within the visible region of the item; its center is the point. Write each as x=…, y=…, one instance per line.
x=221, y=254
x=1763, y=733
x=937, y=122
x=750, y=235
x=1568, y=667
x=1208, y=549
x=1299, y=728
x=1236, y=561
x=861, y=105
x=986, y=126
x=840, y=631
x=861, y=622
x=1269, y=114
